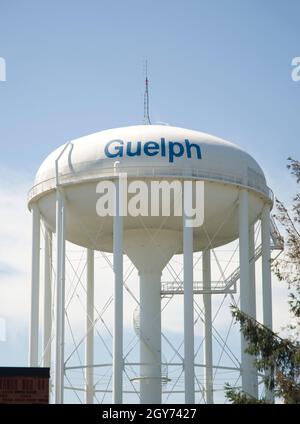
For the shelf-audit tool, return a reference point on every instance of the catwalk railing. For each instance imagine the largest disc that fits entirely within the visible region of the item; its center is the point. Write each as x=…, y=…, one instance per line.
x=229, y=284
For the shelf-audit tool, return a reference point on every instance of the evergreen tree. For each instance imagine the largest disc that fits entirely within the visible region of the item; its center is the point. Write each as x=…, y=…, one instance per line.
x=278, y=358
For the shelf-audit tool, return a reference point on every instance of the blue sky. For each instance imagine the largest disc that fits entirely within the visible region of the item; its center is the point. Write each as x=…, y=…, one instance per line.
x=77, y=67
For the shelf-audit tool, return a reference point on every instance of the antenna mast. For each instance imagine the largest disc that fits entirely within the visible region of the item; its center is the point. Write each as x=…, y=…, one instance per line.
x=146, y=99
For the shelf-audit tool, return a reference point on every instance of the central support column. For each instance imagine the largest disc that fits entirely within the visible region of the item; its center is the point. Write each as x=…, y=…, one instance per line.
x=150, y=337
x=150, y=253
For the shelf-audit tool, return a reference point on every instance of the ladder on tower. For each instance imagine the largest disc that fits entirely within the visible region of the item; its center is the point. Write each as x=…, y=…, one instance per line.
x=137, y=329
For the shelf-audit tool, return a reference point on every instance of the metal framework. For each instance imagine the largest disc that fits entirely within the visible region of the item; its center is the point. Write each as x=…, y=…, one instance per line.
x=180, y=374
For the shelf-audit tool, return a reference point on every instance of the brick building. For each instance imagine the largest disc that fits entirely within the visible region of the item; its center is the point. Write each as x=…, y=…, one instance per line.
x=24, y=385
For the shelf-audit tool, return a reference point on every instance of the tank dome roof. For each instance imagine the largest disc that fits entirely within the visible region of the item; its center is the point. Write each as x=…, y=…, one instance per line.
x=144, y=150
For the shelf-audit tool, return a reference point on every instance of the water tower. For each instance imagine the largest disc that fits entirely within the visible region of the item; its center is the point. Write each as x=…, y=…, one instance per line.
x=64, y=197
